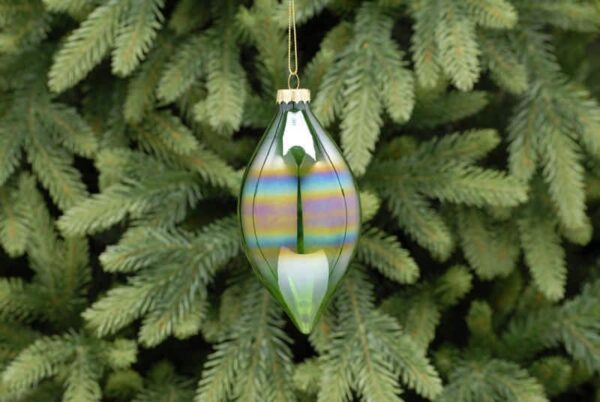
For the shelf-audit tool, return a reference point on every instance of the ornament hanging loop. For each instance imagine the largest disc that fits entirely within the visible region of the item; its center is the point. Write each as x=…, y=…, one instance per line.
x=293, y=78
x=292, y=41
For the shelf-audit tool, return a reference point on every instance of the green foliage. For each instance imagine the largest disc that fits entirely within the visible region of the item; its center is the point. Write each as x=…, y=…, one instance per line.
x=81, y=358
x=87, y=45
x=169, y=285
x=164, y=385
x=253, y=362
x=419, y=310
x=359, y=86
x=384, y=253
x=442, y=169
x=136, y=35
x=472, y=127
x=493, y=380
x=368, y=350
x=491, y=252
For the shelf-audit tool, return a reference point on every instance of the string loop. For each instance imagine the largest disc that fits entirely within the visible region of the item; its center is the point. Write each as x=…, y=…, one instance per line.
x=293, y=71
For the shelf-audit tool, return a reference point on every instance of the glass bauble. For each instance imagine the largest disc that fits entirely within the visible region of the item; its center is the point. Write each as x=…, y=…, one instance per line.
x=299, y=211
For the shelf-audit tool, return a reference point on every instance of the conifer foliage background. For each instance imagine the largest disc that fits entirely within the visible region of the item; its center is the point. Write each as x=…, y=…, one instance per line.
x=473, y=127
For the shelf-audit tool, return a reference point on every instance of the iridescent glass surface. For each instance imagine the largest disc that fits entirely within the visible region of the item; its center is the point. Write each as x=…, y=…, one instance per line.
x=299, y=213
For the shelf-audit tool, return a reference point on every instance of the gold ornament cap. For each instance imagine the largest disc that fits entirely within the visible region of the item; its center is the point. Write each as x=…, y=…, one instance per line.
x=293, y=95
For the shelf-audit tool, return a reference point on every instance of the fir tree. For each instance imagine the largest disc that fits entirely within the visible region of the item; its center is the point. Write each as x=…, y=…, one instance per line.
x=472, y=127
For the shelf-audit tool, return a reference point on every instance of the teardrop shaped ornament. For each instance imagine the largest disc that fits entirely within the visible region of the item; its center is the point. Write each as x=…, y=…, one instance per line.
x=299, y=211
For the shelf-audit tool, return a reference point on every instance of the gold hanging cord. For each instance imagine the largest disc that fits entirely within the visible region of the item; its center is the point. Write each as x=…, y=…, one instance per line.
x=292, y=32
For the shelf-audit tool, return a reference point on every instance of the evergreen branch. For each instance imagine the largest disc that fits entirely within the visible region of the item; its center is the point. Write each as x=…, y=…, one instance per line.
x=14, y=303
x=219, y=371
x=585, y=110
x=257, y=333
x=53, y=166
x=523, y=153
x=81, y=384
x=164, y=385
x=226, y=84
x=569, y=15
x=43, y=241
x=491, y=253
x=395, y=80
x=222, y=318
x=10, y=150
x=87, y=45
x=543, y=252
x=423, y=42
x=579, y=327
x=252, y=385
x=468, y=147
x=554, y=373
x=328, y=101
x=270, y=42
x=141, y=90
x=102, y=210
x=334, y=42
x=307, y=376
x=58, y=291
x=305, y=9
x=24, y=31
x=369, y=205
x=68, y=127
x=191, y=321
x=14, y=337
x=172, y=133
x=383, y=251
x=581, y=235
x=418, y=314
x=365, y=346
x=415, y=215
x=137, y=34
x=540, y=60
x=337, y=376
x=506, y=68
x=373, y=372
x=144, y=247
x=564, y=173
x=10, y=9
x=14, y=228
x=450, y=107
x=124, y=384
x=186, y=65
x=120, y=353
x=459, y=52
x=175, y=306
x=493, y=13
x=474, y=186
x=573, y=324
x=493, y=380
x=203, y=161
x=453, y=285
x=172, y=279
x=416, y=370
x=361, y=115
x=456, y=183
x=479, y=322
x=120, y=306
x=318, y=67
x=76, y=360
x=39, y=361
x=188, y=15
x=74, y=7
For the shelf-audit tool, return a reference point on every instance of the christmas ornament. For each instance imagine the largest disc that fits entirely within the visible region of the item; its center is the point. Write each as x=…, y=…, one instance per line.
x=299, y=207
